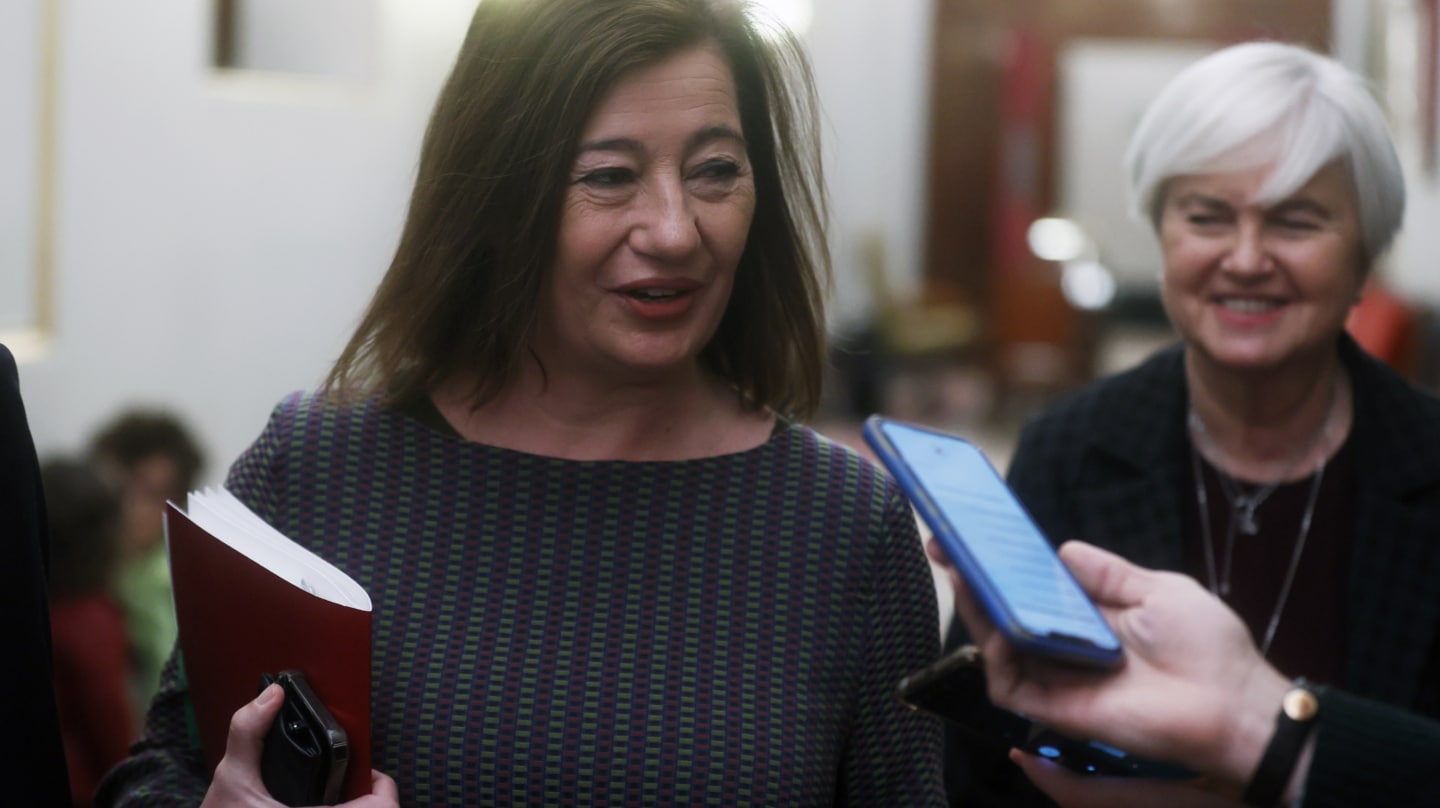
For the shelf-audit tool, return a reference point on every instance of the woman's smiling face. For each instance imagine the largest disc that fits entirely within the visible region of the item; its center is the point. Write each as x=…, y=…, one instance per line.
x=655, y=220
x=1250, y=286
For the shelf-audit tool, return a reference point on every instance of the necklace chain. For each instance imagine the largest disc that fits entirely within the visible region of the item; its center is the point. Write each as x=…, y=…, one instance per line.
x=1222, y=589
x=1243, y=511
x=1245, y=505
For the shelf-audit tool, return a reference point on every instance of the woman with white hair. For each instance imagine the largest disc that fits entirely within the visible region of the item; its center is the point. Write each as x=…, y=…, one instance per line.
x=1266, y=455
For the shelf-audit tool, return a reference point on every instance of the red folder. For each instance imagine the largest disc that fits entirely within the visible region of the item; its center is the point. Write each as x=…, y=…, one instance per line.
x=238, y=619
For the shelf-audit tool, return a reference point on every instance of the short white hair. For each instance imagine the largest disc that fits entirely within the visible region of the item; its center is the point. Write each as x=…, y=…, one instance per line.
x=1270, y=104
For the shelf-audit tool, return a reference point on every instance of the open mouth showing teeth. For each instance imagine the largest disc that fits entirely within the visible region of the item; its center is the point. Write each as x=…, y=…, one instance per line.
x=654, y=294
x=1249, y=305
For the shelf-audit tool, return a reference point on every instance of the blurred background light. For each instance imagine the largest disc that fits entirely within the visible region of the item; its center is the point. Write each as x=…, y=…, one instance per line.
x=793, y=14
x=1087, y=284
x=1056, y=239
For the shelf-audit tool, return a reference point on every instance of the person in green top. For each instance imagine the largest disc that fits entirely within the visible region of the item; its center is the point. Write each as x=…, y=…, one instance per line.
x=150, y=457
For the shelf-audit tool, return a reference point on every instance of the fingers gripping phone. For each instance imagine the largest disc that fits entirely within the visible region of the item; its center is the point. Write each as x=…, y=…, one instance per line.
x=1012, y=570
x=954, y=689
x=306, y=750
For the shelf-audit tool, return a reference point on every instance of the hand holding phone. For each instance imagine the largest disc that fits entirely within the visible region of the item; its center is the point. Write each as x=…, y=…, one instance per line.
x=954, y=688
x=306, y=750
x=994, y=545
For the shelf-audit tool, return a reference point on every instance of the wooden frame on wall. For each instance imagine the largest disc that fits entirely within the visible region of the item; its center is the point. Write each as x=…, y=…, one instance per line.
x=224, y=45
x=1429, y=66
x=27, y=280
x=1404, y=56
x=306, y=41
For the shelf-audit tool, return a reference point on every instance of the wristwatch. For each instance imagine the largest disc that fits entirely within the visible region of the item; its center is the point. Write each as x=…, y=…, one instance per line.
x=1293, y=726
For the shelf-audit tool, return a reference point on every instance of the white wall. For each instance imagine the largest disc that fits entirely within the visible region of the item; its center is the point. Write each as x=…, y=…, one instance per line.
x=1382, y=40
x=1105, y=86
x=1412, y=266
x=872, y=64
x=219, y=235
x=20, y=38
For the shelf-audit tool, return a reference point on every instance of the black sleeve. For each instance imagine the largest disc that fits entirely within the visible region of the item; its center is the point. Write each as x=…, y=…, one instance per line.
x=1036, y=476
x=32, y=758
x=1367, y=753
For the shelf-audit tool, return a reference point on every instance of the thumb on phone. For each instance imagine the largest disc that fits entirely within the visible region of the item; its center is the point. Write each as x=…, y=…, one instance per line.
x=1108, y=579
x=248, y=727
x=237, y=779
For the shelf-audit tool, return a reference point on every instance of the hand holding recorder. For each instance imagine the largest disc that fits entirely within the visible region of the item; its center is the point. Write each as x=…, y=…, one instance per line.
x=1193, y=687
x=1189, y=685
x=1025, y=591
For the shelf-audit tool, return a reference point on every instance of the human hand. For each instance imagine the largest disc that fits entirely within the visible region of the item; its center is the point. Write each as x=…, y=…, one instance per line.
x=1071, y=790
x=237, y=779
x=1192, y=688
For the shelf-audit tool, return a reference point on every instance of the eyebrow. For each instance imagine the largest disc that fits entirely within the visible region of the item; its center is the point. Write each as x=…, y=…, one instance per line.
x=1302, y=205
x=712, y=133
x=1195, y=198
x=698, y=138
x=1292, y=205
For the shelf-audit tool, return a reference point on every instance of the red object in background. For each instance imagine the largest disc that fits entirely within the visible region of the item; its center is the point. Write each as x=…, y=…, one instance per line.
x=1384, y=325
x=92, y=689
x=1036, y=331
x=1025, y=103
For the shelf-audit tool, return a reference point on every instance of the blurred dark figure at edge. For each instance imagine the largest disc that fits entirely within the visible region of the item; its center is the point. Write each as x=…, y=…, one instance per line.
x=32, y=761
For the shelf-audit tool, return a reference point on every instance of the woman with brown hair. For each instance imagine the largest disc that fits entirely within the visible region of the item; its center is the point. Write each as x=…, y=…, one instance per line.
x=608, y=565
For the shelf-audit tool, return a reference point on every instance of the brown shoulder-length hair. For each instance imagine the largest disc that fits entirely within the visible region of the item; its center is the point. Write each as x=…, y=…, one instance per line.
x=462, y=293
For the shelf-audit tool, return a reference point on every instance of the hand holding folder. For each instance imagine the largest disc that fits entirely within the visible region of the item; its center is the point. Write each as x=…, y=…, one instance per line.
x=251, y=601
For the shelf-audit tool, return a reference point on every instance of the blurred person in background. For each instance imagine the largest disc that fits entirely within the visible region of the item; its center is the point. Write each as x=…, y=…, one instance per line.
x=562, y=450
x=149, y=456
x=92, y=649
x=32, y=755
x=1266, y=455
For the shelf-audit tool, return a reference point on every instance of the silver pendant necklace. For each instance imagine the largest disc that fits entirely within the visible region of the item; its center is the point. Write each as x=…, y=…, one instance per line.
x=1243, y=504
x=1221, y=587
x=1243, y=507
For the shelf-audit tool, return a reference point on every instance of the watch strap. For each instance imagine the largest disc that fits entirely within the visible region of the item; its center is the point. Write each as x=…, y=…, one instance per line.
x=1293, y=725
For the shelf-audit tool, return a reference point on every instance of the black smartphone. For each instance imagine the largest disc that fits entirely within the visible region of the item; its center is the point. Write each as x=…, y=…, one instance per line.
x=306, y=750
x=1007, y=563
x=953, y=688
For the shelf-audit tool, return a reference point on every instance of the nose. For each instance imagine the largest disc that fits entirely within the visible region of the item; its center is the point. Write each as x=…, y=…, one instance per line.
x=1248, y=254
x=667, y=228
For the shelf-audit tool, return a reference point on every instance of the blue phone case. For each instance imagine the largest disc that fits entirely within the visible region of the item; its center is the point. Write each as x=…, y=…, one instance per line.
x=1061, y=647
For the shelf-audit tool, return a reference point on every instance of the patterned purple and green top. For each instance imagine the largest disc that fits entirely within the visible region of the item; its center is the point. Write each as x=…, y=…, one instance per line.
x=720, y=631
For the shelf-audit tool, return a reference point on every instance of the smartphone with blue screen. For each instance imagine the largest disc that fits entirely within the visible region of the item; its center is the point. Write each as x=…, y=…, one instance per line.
x=993, y=543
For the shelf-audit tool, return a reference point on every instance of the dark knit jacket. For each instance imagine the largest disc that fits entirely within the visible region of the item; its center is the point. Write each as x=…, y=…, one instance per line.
x=1109, y=465
x=720, y=631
